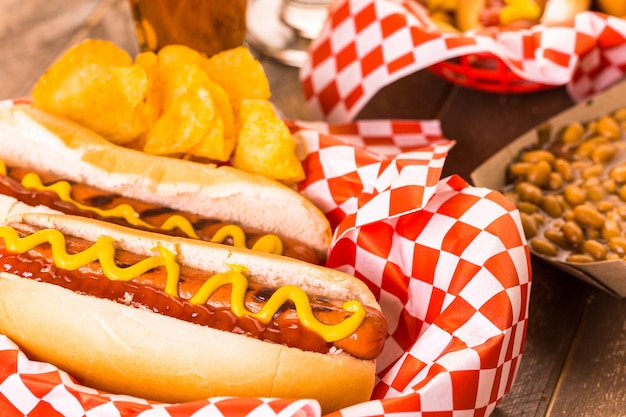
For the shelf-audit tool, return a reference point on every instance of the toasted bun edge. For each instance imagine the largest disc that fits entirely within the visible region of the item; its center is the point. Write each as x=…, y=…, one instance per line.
x=125, y=350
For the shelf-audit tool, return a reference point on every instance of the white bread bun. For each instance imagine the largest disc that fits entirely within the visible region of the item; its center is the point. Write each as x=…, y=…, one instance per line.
x=32, y=138
x=560, y=11
x=126, y=350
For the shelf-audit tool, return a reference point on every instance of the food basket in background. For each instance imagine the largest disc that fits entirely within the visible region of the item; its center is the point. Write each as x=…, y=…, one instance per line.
x=486, y=72
x=447, y=261
x=368, y=44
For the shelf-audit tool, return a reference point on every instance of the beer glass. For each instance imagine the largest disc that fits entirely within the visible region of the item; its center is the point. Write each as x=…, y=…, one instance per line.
x=208, y=26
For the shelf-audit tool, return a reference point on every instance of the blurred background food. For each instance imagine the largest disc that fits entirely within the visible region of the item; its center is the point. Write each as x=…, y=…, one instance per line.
x=464, y=15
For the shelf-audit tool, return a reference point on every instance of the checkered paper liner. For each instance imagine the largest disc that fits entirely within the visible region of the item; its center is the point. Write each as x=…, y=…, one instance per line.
x=447, y=261
x=368, y=44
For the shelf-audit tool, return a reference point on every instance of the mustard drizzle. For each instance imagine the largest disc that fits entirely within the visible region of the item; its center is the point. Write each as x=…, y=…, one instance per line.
x=331, y=333
x=103, y=251
x=267, y=243
x=519, y=9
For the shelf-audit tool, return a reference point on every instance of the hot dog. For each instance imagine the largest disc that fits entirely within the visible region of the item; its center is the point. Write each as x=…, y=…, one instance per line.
x=48, y=160
x=508, y=14
x=164, y=318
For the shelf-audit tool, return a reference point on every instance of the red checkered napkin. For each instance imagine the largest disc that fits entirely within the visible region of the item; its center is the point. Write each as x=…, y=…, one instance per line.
x=368, y=44
x=447, y=261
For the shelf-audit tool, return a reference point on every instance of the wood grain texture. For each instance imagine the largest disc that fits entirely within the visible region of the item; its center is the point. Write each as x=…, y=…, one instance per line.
x=33, y=34
x=555, y=312
x=482, y=123
x=574, y=358
x=594, y=378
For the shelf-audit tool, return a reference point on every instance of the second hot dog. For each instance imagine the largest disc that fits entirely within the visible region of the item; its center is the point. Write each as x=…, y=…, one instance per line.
x=44, y=156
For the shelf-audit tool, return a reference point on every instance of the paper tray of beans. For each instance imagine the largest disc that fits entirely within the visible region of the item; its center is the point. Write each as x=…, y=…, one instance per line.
x=515, y=47
x=568, y=179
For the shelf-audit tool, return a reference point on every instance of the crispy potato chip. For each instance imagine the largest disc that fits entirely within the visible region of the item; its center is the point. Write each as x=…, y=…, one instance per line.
x=215, y=146
x=97, y=85
x=181, y=67
x=89, y=52
x=184, y=124
x=265, y=145
x=179, y=54
x=239, y=74
x=177, y=79
x=109, y=101
x=94, y=51
x=148, y=61
x=224, y=108
x=177, y=102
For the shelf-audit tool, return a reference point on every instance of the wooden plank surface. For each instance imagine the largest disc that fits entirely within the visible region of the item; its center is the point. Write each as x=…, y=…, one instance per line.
x=594, y=379
x=573, y=362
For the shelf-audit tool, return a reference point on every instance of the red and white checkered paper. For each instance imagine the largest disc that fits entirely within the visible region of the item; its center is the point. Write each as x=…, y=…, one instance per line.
x=368, y=44
x=447, y=261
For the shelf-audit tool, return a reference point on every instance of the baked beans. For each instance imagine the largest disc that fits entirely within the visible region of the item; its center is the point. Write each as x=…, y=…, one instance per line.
x=571, y=194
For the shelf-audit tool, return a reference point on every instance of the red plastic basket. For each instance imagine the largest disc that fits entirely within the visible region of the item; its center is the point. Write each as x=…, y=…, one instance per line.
x=486, y=72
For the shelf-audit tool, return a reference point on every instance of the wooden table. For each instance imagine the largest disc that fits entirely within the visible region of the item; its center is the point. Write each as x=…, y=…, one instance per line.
x=574, y=359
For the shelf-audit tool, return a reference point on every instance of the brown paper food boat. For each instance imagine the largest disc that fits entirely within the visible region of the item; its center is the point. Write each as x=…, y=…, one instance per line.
x=609, y=275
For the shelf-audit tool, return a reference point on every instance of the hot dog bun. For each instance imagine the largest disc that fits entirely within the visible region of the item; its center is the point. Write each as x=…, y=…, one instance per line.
x=559, y=11
x=32, y=138
x=132, y=351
